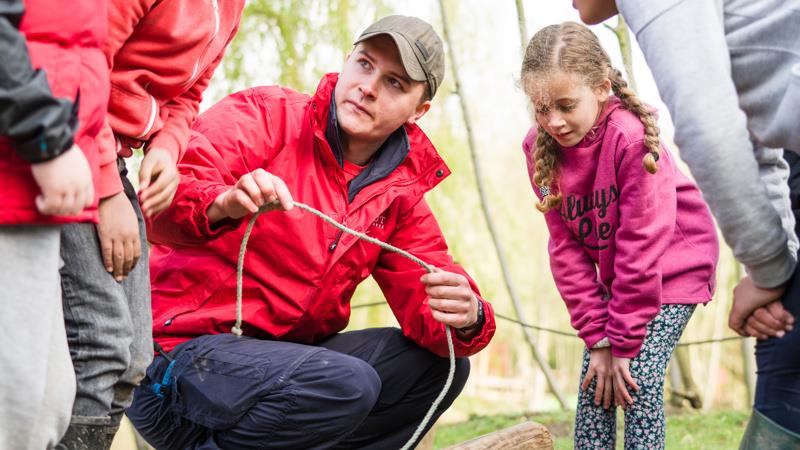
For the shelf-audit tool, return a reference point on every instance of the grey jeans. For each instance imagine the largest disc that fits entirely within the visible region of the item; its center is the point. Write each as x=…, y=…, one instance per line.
x=37, y=385
x=108, y=323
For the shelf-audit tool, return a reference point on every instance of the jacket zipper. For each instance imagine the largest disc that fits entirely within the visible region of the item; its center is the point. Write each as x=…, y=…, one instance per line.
x=332, y=247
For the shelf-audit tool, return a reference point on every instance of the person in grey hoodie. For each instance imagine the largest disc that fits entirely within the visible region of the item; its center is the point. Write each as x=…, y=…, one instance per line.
x=729, y=72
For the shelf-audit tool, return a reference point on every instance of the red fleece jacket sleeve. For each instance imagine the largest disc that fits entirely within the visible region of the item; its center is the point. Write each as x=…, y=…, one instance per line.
x=182, y=111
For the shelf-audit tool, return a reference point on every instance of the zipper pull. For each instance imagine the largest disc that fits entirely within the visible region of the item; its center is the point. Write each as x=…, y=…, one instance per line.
x=332, y=247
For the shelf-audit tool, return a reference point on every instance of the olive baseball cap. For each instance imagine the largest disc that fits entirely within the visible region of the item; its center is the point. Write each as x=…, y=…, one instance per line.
x=421, y=50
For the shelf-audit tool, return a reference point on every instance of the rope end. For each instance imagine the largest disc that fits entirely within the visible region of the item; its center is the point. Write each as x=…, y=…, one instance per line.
x=236, y=330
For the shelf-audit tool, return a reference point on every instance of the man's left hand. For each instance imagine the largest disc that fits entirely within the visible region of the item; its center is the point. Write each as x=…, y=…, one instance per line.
x=451, y=299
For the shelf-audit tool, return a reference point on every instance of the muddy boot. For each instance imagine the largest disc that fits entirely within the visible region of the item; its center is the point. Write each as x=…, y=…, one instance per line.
x=764, y=434
x=86, y=433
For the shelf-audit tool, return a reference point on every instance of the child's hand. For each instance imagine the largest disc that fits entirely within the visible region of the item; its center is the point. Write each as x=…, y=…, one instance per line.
x=118, y=233
x=620, y=370
x=158, y=181
x=747, y=297
x=600, y=367
x=451, y=299
x=65, y=182
x=253, y=189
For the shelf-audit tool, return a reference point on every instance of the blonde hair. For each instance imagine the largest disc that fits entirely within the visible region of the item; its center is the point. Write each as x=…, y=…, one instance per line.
x=573, y=48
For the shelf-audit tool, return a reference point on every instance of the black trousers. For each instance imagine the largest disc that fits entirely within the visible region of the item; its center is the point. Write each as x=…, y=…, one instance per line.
x=777, y=393
x=361, y=389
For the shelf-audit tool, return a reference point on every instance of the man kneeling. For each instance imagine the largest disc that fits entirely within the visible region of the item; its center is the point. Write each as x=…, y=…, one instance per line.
x=293, y=381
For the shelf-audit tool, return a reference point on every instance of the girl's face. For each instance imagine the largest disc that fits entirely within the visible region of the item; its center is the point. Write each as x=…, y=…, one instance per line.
x=566, y=107
x=595, y=11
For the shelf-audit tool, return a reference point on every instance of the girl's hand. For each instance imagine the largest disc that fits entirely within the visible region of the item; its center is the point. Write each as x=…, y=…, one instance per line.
x=620, y=370
x=600, y=367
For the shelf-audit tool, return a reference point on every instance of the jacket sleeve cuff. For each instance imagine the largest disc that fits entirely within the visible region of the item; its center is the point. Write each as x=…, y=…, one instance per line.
x=200, y=216
x=482, y=338
x=775, y=271
x=44, y=148
x=623, y=347
x=628, y=352
x=166, y=140
x=592, y=338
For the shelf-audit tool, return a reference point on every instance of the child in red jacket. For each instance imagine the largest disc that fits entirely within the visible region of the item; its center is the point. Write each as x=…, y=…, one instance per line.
x=161, y=57
x=53, y=97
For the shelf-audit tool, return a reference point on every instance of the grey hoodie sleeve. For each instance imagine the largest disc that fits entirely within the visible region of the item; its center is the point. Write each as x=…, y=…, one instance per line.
x=39, y=126
x=685, y=47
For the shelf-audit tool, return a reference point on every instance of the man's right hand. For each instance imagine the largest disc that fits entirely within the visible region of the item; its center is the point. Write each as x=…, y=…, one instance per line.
x=118, y=232
x=65, y=182
x=254, y=189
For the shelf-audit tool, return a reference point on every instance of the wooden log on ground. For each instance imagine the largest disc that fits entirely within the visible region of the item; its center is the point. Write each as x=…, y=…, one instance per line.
x=525, y=436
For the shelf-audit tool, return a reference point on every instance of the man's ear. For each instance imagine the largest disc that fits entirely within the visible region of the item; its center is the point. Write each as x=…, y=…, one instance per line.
x=420, y=111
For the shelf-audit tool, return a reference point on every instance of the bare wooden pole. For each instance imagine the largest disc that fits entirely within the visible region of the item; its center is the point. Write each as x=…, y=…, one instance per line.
x=624, y=39
x=498, y=246
x=523, y=29
x=689, y=389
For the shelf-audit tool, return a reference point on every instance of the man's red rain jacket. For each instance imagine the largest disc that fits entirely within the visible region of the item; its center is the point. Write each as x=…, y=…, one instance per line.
x=297, y=284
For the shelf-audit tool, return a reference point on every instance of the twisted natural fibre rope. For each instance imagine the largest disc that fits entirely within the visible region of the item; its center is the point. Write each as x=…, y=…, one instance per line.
x=237, y=328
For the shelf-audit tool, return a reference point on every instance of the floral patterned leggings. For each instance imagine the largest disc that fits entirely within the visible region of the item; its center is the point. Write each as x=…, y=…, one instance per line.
x=645, y=425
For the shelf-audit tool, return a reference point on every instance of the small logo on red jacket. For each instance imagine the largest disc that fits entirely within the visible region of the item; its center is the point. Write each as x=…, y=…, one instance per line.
x=380, y=222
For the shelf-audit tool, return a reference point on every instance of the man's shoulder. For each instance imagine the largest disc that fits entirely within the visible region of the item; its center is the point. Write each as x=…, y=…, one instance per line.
x=273, y=94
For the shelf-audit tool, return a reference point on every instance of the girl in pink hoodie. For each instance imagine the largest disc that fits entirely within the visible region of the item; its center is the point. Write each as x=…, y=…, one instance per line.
x=633, y=248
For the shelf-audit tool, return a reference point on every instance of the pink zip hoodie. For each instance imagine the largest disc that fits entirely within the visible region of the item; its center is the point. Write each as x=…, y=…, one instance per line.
x=625, y=241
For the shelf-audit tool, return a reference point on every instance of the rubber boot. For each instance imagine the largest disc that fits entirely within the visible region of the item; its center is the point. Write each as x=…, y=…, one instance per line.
x=764, y=434
x=86, y=433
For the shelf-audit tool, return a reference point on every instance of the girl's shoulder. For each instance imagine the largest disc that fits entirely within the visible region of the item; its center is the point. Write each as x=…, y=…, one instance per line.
x=626, y=125
x=529, y=142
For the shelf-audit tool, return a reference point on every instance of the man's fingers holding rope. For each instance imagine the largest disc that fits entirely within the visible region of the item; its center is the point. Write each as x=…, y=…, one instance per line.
x=451, y=298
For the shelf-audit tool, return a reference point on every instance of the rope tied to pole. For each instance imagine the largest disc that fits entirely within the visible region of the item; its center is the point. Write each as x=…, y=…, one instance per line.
x=237, y=327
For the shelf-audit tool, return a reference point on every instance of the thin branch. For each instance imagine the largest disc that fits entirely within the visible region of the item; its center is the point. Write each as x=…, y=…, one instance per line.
x=488, y=217
x=624, y=39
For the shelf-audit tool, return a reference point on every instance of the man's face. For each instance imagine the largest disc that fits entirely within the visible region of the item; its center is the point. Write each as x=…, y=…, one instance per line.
x=595, y=11
x=374, y=95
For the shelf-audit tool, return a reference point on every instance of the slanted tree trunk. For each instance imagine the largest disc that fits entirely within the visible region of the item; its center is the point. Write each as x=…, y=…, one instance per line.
x=498, y=246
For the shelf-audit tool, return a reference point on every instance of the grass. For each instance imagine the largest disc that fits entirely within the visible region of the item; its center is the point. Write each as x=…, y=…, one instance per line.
x=717, y=430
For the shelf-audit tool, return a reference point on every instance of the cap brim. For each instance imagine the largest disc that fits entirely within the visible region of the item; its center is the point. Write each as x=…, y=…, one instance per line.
x=407, y=56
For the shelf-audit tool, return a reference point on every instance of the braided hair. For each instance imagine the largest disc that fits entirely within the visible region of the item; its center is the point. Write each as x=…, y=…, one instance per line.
x=573, y=48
